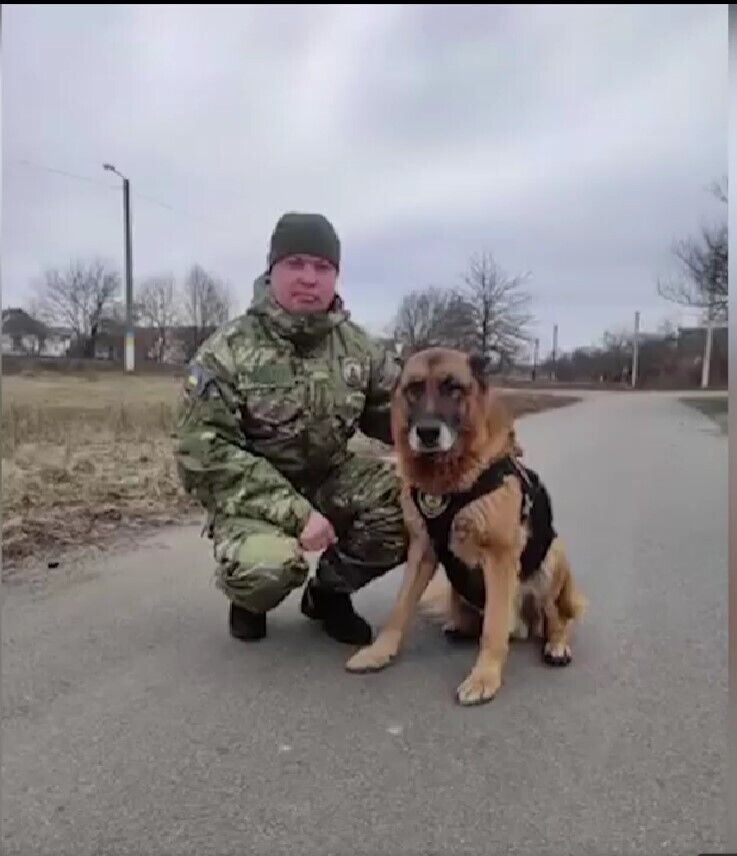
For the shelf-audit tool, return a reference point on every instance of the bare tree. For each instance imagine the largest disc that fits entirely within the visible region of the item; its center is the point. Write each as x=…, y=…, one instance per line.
x=415, y=320
x=720, y=189
x=207, y=301
x=433, y=317
x=458, y=324
x=703, y=278
x=79, y=298
x=500, y=309
x=159, y=308
x=617, y=341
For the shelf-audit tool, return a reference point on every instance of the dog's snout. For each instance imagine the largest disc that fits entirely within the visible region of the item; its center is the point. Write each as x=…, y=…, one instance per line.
x=429, y=435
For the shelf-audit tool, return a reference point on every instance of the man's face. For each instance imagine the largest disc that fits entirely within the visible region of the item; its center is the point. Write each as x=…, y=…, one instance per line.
x=303, y=283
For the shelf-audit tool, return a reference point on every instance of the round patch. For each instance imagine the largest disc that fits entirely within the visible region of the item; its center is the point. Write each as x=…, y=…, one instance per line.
x=432, y=505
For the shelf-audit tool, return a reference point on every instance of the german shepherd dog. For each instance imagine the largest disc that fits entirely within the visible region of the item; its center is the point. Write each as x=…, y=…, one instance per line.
x=470, y=504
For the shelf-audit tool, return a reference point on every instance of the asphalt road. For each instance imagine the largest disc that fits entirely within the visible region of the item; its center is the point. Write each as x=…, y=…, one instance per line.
x=133, y=724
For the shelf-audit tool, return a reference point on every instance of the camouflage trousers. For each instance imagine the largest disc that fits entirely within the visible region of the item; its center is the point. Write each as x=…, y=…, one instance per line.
x=259, y=565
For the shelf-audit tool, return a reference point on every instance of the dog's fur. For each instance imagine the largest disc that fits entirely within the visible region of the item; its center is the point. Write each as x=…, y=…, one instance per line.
x=451, y=388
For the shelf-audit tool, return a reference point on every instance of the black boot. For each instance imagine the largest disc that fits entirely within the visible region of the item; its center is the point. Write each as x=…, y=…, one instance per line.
x=339, y=620
x=245, y=625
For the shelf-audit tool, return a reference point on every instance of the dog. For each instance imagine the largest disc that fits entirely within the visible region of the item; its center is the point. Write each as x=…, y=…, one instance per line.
x=470, y=504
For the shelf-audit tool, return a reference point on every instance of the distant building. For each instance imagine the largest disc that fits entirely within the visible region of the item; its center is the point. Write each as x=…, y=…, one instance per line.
x=24, y=335
x=692, y=344
x=692, y=340
x=178, y=346
x=57, y=342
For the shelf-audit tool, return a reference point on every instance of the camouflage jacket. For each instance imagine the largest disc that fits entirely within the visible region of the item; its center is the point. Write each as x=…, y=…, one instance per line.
x=270, y=402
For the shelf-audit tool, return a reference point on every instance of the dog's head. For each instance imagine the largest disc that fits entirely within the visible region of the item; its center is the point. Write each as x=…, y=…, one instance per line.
x=444, y=411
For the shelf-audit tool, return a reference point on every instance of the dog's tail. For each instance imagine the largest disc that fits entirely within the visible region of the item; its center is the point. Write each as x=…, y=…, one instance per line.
x=435, y=602
x=571, y=603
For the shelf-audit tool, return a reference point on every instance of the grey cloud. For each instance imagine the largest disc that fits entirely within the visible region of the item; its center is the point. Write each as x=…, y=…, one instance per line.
x=572, y=141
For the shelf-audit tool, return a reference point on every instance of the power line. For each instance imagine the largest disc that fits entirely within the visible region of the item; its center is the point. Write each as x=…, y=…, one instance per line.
x=162, y=204
x=68, y=174
x=108, y=186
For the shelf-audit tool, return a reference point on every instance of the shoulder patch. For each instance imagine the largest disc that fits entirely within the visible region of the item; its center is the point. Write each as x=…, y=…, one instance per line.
x=198, y=380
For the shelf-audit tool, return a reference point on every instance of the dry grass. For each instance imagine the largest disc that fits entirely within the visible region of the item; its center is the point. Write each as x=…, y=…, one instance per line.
x=88, y=456
x=84, y=456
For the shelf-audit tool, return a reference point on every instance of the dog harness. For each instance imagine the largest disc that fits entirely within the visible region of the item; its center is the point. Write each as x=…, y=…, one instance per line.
x=438, y=512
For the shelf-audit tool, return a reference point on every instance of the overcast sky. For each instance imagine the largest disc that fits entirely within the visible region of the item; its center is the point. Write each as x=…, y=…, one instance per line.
x=573, y=142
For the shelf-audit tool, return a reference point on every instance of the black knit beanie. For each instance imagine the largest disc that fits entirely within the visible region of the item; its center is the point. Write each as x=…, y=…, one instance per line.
x=311, y=234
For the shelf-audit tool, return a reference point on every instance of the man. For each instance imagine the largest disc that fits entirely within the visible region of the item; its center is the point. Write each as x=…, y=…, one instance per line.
x=270, y=403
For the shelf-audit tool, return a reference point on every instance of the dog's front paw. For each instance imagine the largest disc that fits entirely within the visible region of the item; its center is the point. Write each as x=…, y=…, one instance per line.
x=480, y=686
x=557, y=654
x=374, y=657
x=521, y=630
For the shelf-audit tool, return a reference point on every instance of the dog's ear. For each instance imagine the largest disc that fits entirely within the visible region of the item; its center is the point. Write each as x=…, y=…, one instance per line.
x=480, y=366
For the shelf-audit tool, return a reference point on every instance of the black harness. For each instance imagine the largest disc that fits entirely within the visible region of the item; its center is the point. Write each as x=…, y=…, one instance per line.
x=438, y=512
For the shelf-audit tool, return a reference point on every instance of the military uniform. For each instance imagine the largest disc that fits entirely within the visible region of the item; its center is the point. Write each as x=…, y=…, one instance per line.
x=270, y=403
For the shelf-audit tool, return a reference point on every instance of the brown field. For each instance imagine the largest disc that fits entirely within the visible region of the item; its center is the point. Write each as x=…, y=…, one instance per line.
x=87, y=456
x=83, y=456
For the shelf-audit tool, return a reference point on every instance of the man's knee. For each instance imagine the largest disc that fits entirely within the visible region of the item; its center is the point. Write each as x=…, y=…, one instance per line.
x=257, y=570
x=378, y=533
x=375, y=543
x=380, y=527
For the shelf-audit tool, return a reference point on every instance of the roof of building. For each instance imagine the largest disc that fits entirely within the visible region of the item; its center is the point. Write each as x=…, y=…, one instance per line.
x=17, y=322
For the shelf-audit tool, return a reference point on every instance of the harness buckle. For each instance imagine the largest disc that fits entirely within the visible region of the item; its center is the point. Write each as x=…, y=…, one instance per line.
x=528, y=488
x=526, y=505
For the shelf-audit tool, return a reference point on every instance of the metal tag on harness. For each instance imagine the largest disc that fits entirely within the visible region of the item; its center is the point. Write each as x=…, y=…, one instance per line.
x=432, y=505
x=526, y=506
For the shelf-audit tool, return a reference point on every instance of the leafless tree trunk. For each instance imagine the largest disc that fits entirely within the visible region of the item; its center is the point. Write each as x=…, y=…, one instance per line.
x=207, y=303
x=500, y=309
x=78, y=298
x=159, y=308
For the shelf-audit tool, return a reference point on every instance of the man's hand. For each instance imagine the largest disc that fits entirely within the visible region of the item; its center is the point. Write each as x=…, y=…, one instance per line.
x=318, y=533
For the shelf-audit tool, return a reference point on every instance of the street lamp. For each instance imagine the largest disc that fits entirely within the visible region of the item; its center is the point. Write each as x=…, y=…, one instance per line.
x=129, y=331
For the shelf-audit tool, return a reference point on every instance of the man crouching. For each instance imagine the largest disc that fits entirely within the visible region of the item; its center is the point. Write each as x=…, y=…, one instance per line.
x=271, y=401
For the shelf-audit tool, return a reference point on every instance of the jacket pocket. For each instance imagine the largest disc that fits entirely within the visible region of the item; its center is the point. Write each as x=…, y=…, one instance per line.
x=269, y=411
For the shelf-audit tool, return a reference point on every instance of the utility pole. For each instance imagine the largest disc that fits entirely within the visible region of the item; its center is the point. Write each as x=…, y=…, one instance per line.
x=706, y=362
x=130, y=348
x=534, y=359
x=636, y=349
x=555, y=348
